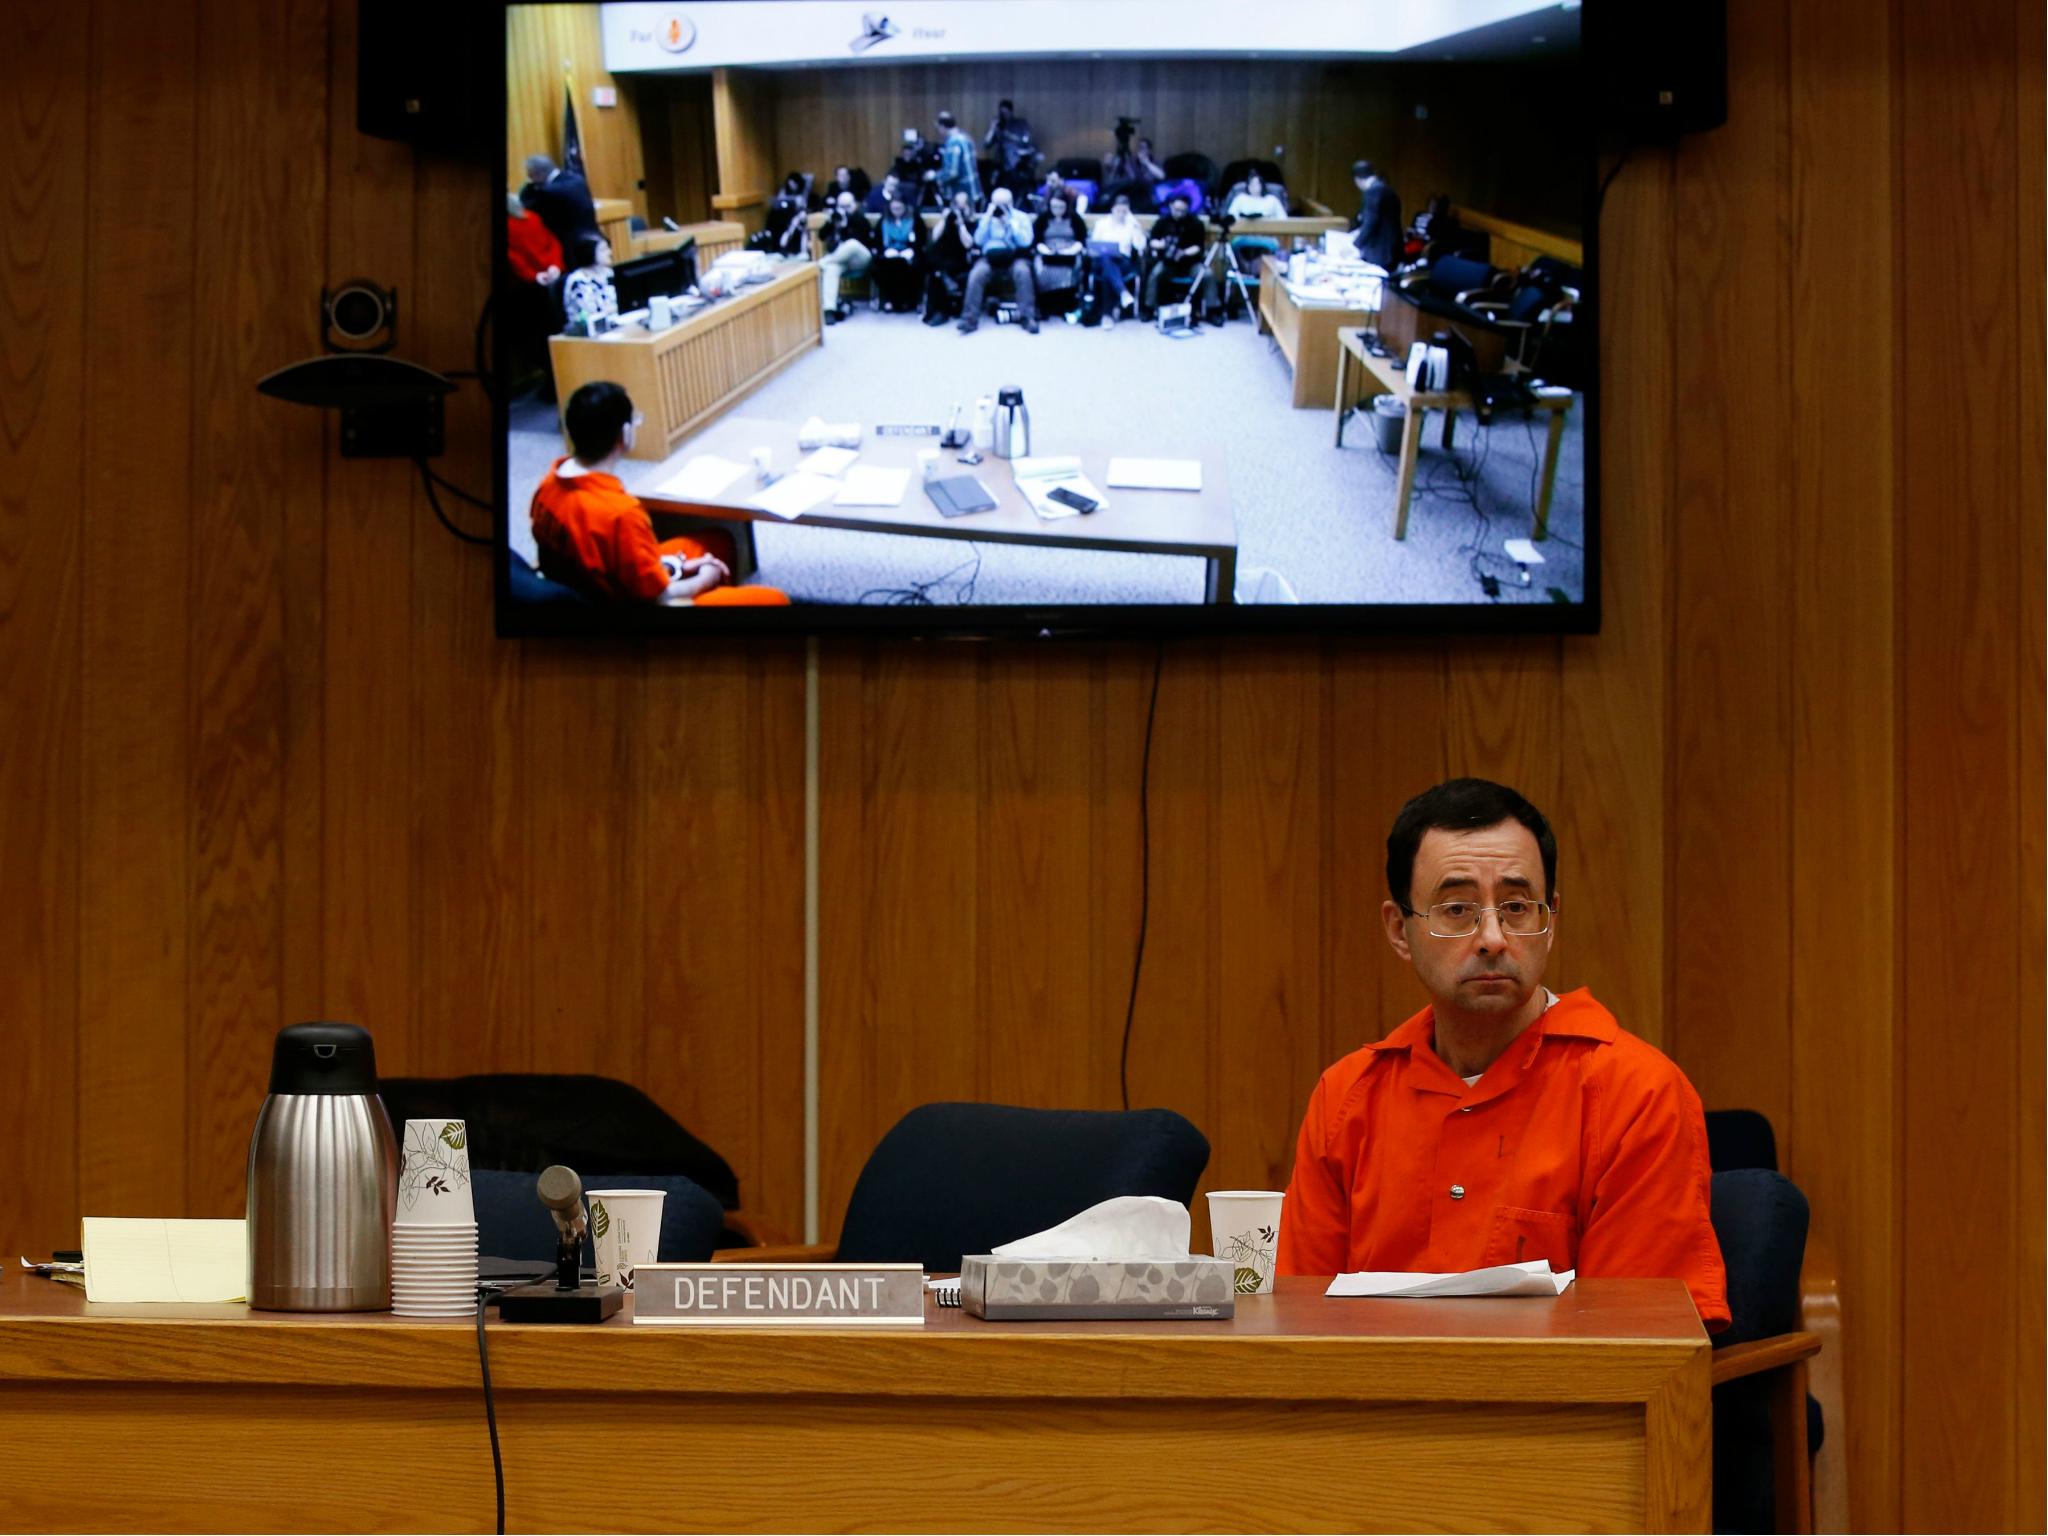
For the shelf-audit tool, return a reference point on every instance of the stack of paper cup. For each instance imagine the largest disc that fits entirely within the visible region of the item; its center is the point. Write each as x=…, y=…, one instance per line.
x=433, y=1241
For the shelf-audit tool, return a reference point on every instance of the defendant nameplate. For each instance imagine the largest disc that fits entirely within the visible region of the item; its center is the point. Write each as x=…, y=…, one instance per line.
x=776, y=1295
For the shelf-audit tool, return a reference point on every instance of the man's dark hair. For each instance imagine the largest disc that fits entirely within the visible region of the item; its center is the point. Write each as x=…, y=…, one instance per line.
x=1462, y=805
x=948, y=120
x=1361, y=169
x=597, y=414
x=1006, y=104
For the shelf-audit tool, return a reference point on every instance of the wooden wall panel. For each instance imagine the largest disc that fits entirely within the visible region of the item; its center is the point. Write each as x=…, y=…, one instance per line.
x=133, y=784
x=543, y=44
x=2030, y=1071
x=1614, y=690
x=263, y=80
x=1845, y=896
x=468, y=847
x=1960, y=669
x=43, y=394
x=743, y=128
x=724, y=825
x=300, y=776
x=1729, y=871
x=372, y=510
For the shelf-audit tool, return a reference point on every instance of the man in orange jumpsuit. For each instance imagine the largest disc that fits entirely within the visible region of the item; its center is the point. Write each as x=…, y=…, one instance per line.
x=1502, y=1123
x=595, y=536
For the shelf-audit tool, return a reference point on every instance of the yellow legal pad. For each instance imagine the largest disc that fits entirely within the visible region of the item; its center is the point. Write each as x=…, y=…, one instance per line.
x=146, y=1258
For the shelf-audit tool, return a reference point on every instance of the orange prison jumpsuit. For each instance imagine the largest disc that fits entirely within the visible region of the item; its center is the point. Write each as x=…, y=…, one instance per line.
x=596, y=537
x=1581, y=1145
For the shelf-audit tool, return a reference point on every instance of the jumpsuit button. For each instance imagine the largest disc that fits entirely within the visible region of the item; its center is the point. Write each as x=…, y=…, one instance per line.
x=1457, y=1191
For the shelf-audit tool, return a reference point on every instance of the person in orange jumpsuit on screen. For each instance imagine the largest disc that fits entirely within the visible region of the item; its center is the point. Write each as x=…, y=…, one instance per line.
x=1502, y=1123
x=595, y=536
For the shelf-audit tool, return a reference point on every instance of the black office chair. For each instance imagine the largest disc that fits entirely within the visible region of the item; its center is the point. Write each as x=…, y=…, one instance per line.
x=519, y=1123
x=953, y=1179
x=1766, y=1425
x=511, y=1223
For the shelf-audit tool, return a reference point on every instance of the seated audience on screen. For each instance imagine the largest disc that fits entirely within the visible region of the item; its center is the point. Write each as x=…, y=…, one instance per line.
x=1060, y=241
x=1004, y=237
x=563, y=201
x=898, y=269
x=845, y=178
x=595, y=536
x=947, y=261
x=1132, y=171
x=589, y=299
x=877, y=200
x=1113, y=247
x=786, y=230
x=1436, y=233
x=1056, y=186
x=848, y=243
x=1376, y=231
x=1176, y=250
x=1253, y=201
x=958, y=171
x=1502, y=1123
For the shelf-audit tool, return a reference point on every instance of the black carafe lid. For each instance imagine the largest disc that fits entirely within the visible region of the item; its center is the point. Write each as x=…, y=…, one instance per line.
x=1010, y=394
x=323, y=1058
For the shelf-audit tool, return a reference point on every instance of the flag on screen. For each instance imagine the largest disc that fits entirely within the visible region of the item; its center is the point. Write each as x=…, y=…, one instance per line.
x=572, y=141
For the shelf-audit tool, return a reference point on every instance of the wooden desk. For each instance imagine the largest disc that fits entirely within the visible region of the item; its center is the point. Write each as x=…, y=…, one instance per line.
x=714, y=238
x=1589, y=1412
x=1197, y=523
x=1307, y=333
x=685, y=376
x=1392, y=378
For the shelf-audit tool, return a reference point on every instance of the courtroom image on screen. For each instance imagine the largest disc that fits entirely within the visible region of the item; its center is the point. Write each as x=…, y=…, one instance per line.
x=1044, y=306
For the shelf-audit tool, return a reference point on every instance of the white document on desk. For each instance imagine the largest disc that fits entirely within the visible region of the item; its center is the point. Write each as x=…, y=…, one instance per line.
x=1039, y=477
x=130, y=1258
x=1156, y=474
x=828, y=461
x=1534, y=1278
x=794, y=494
x=701, y=479
x=869, y=485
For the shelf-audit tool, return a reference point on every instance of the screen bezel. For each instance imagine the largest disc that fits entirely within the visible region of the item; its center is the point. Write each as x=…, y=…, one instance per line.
x=515, y=619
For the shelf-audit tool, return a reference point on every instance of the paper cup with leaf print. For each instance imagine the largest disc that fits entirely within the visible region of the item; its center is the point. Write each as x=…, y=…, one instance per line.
x=625, y=1228
x=1245, y=1227
x=433, y=1176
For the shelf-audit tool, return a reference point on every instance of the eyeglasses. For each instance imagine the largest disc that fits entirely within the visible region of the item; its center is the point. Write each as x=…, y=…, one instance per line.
x=1461, y=919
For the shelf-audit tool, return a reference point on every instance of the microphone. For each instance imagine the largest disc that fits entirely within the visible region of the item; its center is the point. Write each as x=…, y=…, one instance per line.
x=561, y=1191
x=671, y=224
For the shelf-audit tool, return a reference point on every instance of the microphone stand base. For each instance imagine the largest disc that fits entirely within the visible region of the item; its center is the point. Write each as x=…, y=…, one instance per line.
x=549, y=1303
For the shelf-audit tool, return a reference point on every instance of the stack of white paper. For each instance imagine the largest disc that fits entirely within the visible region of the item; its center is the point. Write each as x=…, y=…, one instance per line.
x=1534, y=1278
x=793, y=495
x=869, y=486
x=829, y=461
x=1156, y=474
x=147, y=1259
x=1039, y=477
x=701, y=479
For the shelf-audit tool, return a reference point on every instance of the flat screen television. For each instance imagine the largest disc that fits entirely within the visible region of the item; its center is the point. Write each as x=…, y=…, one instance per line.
x=1276, y=317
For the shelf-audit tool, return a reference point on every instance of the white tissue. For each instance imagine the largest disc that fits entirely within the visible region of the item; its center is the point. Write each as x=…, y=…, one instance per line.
x=1127, y=1227
x=818, y=433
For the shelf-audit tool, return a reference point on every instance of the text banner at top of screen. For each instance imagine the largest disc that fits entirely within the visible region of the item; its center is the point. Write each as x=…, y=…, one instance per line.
x=647, y=35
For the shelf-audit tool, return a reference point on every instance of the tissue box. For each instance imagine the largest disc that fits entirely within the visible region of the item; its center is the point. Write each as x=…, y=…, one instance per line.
x=1046, y=1290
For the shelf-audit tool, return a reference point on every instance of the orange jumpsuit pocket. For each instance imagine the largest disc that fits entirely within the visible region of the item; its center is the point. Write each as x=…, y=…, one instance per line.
x=1521, y=1236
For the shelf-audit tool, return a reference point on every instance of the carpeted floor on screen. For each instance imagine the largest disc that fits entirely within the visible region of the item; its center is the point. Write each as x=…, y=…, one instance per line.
x=1314, y=522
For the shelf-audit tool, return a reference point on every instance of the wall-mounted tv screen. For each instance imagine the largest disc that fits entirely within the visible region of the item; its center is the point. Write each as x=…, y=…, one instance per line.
x=988, y=316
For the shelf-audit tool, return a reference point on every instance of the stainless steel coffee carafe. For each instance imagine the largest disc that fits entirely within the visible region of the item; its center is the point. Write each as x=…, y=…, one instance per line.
x=323, y=1177
x=1013, y=424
